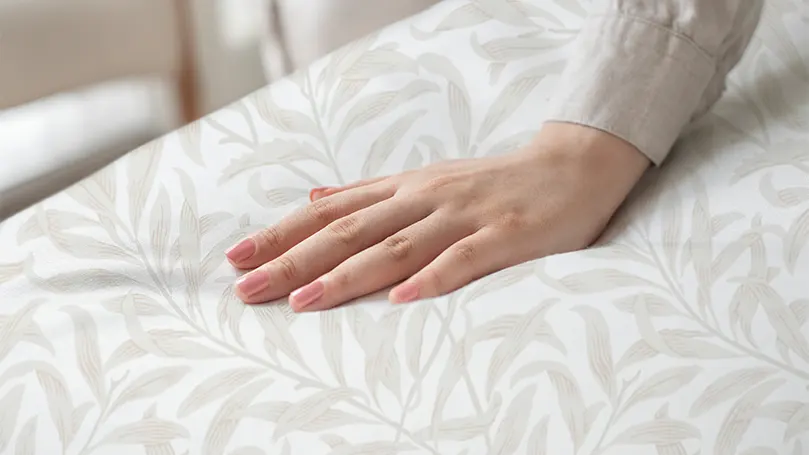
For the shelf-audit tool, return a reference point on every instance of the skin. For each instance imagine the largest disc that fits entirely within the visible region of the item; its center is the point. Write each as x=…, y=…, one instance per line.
x=436, y=229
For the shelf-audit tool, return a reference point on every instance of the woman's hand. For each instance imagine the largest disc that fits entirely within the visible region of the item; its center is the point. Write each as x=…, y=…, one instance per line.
x=436, y=229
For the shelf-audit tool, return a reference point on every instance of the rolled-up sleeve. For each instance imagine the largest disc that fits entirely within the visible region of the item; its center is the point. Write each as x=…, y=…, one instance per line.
x=642, y=70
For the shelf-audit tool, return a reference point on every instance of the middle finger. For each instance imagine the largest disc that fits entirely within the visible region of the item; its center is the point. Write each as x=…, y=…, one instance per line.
x=329, y=247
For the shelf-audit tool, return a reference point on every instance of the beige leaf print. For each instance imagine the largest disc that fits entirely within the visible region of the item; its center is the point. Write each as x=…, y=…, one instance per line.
x=372, y=107
x=738, y=419
x=653, y=304
x=759, y=450
x=227, y=417
x=515, y=341
x=44, y=219
x=414, y=333
x=59, y=401
x=385, y=144
x=27, y=439
x=216, y=387
x=538, y=441
x=160, y=226
x=150, y=384
x=276, y=197
x=377, y=62
x=82, y=281
x=599, y=348
x=663, y=384
x=150, y=431
x=373, y=448
x=248, y=450
x=782, y=319
x=142, y=304
x=88, y=353
x=509, y=100
x=511, y=143
x=466, y=15
x=592, y=281
x=461, y=429
x=798, y=424
x=511, y=429
x=515, y=48
x=286, y=120
x=414, y=160
x=796, y=240
x=571, y=403
x=658, y=432
x=304, y=415
x=276, y=330
x=276, y=152
x=347, y=89
x=142, y=168
x=9, y=408
x=9, y=271
x=457, y=94
x=331, y=340
x=787, y=197
x=191, y=141
x=728, y=386
x=16, y=326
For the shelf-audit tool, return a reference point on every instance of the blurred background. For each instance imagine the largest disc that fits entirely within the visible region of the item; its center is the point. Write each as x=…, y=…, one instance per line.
x=82, y=82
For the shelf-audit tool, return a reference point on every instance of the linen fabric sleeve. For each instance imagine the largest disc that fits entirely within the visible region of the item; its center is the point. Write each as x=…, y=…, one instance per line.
x=643, y=69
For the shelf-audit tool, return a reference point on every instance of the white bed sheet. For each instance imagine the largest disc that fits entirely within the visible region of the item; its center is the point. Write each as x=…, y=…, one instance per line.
x=683, y=333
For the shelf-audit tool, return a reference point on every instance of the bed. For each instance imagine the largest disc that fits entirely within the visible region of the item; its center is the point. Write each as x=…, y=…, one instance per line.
x=683, y=331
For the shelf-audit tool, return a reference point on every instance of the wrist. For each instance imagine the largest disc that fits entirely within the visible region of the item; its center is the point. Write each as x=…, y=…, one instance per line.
x=607, y=164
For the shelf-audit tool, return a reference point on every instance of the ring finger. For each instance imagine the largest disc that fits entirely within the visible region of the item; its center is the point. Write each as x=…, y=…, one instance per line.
x=386, y=263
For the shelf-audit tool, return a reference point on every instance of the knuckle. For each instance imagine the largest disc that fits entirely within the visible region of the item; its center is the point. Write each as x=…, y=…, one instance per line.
x=436, y=184
x=322, y=211
x=341, y=280
x=512, y=221
x=398, y=247
x=466, y=253
x=269, y=238
x=287, y=268
x=345, y=230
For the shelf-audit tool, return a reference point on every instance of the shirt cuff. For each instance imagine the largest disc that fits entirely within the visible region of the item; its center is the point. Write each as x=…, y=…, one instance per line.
x=634, y=79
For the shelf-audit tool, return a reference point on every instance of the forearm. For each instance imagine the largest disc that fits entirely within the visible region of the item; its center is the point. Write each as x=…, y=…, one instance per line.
x=643, y=70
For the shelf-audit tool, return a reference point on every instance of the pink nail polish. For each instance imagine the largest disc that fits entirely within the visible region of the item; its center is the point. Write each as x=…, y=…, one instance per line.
x=242, y=251
x=253, y=283
x=307, y=295
x=405, y=293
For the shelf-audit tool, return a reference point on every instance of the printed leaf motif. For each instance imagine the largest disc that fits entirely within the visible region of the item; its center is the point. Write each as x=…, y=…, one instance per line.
x=10, y=271
x=150, y=384
x=658, y=432
x=788, y=197
x=216, y=387
x=191, y=141
x=314, y=413
x=286, y=120
x=9, y=408
x=509, y=100
x=513, y=426
x=796, y=240
x=538, y=441
x=142, y=169
x=738, y=419
x=224, y=422
x=273, y=153
x=599, y=348
x=377, y=62
x=458, y=96
x=27, y=439
x=653, y=304
x=461, y=429
x=142, y=304
x=148, y=432
x=374, y=448
x=377, y=105
x=414, y=334
x=59, y=400
x=592, y=281
x=276, y=197
x=728, y=386
x=331, y=333
x=387, y=142
x=88, y=353
x=662, y=384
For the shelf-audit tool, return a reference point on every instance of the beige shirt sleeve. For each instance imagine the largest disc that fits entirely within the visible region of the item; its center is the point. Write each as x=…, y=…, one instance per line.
x=643, y=69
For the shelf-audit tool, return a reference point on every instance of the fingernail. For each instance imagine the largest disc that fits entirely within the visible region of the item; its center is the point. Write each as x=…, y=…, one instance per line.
x=405, y=293
x=307, y=295
x=242, y=251
x=317, y=193
x=253, y=283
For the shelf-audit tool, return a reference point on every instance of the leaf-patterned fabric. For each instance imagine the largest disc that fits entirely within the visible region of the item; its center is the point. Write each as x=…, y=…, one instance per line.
x=683, y=331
